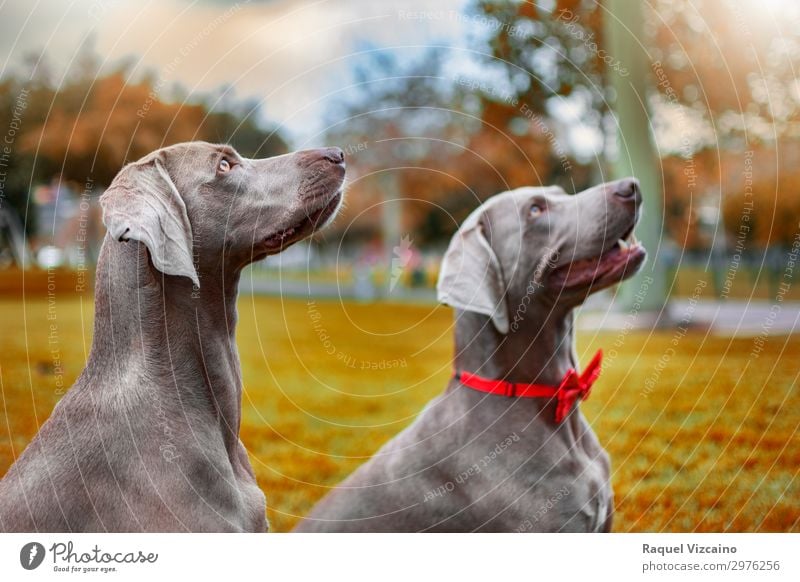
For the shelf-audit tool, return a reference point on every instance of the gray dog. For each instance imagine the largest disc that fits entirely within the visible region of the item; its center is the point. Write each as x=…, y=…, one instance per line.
x=505, y=448
x=148, y=437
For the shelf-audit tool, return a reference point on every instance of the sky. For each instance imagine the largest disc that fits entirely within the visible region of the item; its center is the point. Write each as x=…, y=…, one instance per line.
x=293, y=56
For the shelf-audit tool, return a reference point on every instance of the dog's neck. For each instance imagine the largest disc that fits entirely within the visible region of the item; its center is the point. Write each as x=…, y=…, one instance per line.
x=540, y=350
x=157, y=332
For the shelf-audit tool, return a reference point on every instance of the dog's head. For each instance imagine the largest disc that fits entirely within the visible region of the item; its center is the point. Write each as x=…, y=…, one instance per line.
x=542, y=246
x=200, y=206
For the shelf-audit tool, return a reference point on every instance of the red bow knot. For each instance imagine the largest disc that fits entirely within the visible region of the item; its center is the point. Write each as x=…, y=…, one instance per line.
x=574, y=386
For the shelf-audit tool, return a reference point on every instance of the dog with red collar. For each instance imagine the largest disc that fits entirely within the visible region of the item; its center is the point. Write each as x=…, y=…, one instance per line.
x=505, y=448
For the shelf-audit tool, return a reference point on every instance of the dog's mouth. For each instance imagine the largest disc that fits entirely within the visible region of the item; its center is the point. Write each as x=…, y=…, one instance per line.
x=616, y=264
x=307, y=226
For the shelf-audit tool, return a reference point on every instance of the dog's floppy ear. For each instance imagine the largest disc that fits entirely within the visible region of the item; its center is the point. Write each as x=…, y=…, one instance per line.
x=471, y=277
x=143, y=204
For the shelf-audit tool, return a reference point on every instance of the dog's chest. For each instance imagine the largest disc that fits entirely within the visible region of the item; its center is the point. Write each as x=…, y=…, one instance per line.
x=580, y=485
x=544, y=483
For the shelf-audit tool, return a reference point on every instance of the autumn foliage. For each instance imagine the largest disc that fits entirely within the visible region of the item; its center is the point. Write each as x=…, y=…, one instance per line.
x=87, y=127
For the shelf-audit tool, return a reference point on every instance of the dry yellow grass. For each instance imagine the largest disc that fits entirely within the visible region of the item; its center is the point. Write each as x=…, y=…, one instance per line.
x=713, y=446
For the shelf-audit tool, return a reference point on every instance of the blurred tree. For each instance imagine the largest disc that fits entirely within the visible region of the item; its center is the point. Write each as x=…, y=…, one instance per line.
x=462, y=137
x=727, y=106
x=446, y=148
x=732, y=64
x=241, y=129
x=403, y=125
x=723, y=81
x=18, y=106
x=89, y=123
x=94, y=128
x=98, y=124
x=546, y=53
x=756, y=191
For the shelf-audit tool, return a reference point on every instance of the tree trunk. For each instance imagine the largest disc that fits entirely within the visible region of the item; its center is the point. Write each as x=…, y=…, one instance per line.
x=647, y=292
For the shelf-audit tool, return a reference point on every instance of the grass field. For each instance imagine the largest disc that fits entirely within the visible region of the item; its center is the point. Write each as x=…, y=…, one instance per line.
x=702, y=431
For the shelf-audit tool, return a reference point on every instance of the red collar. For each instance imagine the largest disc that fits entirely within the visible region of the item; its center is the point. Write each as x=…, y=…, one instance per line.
x=572, y=387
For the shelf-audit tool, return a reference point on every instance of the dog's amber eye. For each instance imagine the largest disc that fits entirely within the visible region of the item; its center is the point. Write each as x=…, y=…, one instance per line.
x=224, y=166
x=536, y=210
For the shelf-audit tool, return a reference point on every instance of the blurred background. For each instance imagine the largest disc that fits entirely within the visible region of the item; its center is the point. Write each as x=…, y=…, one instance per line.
x=437, y=106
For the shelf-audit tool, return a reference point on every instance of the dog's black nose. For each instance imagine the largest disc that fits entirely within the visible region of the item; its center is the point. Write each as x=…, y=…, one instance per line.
x=627, y=190
x=335, y=155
